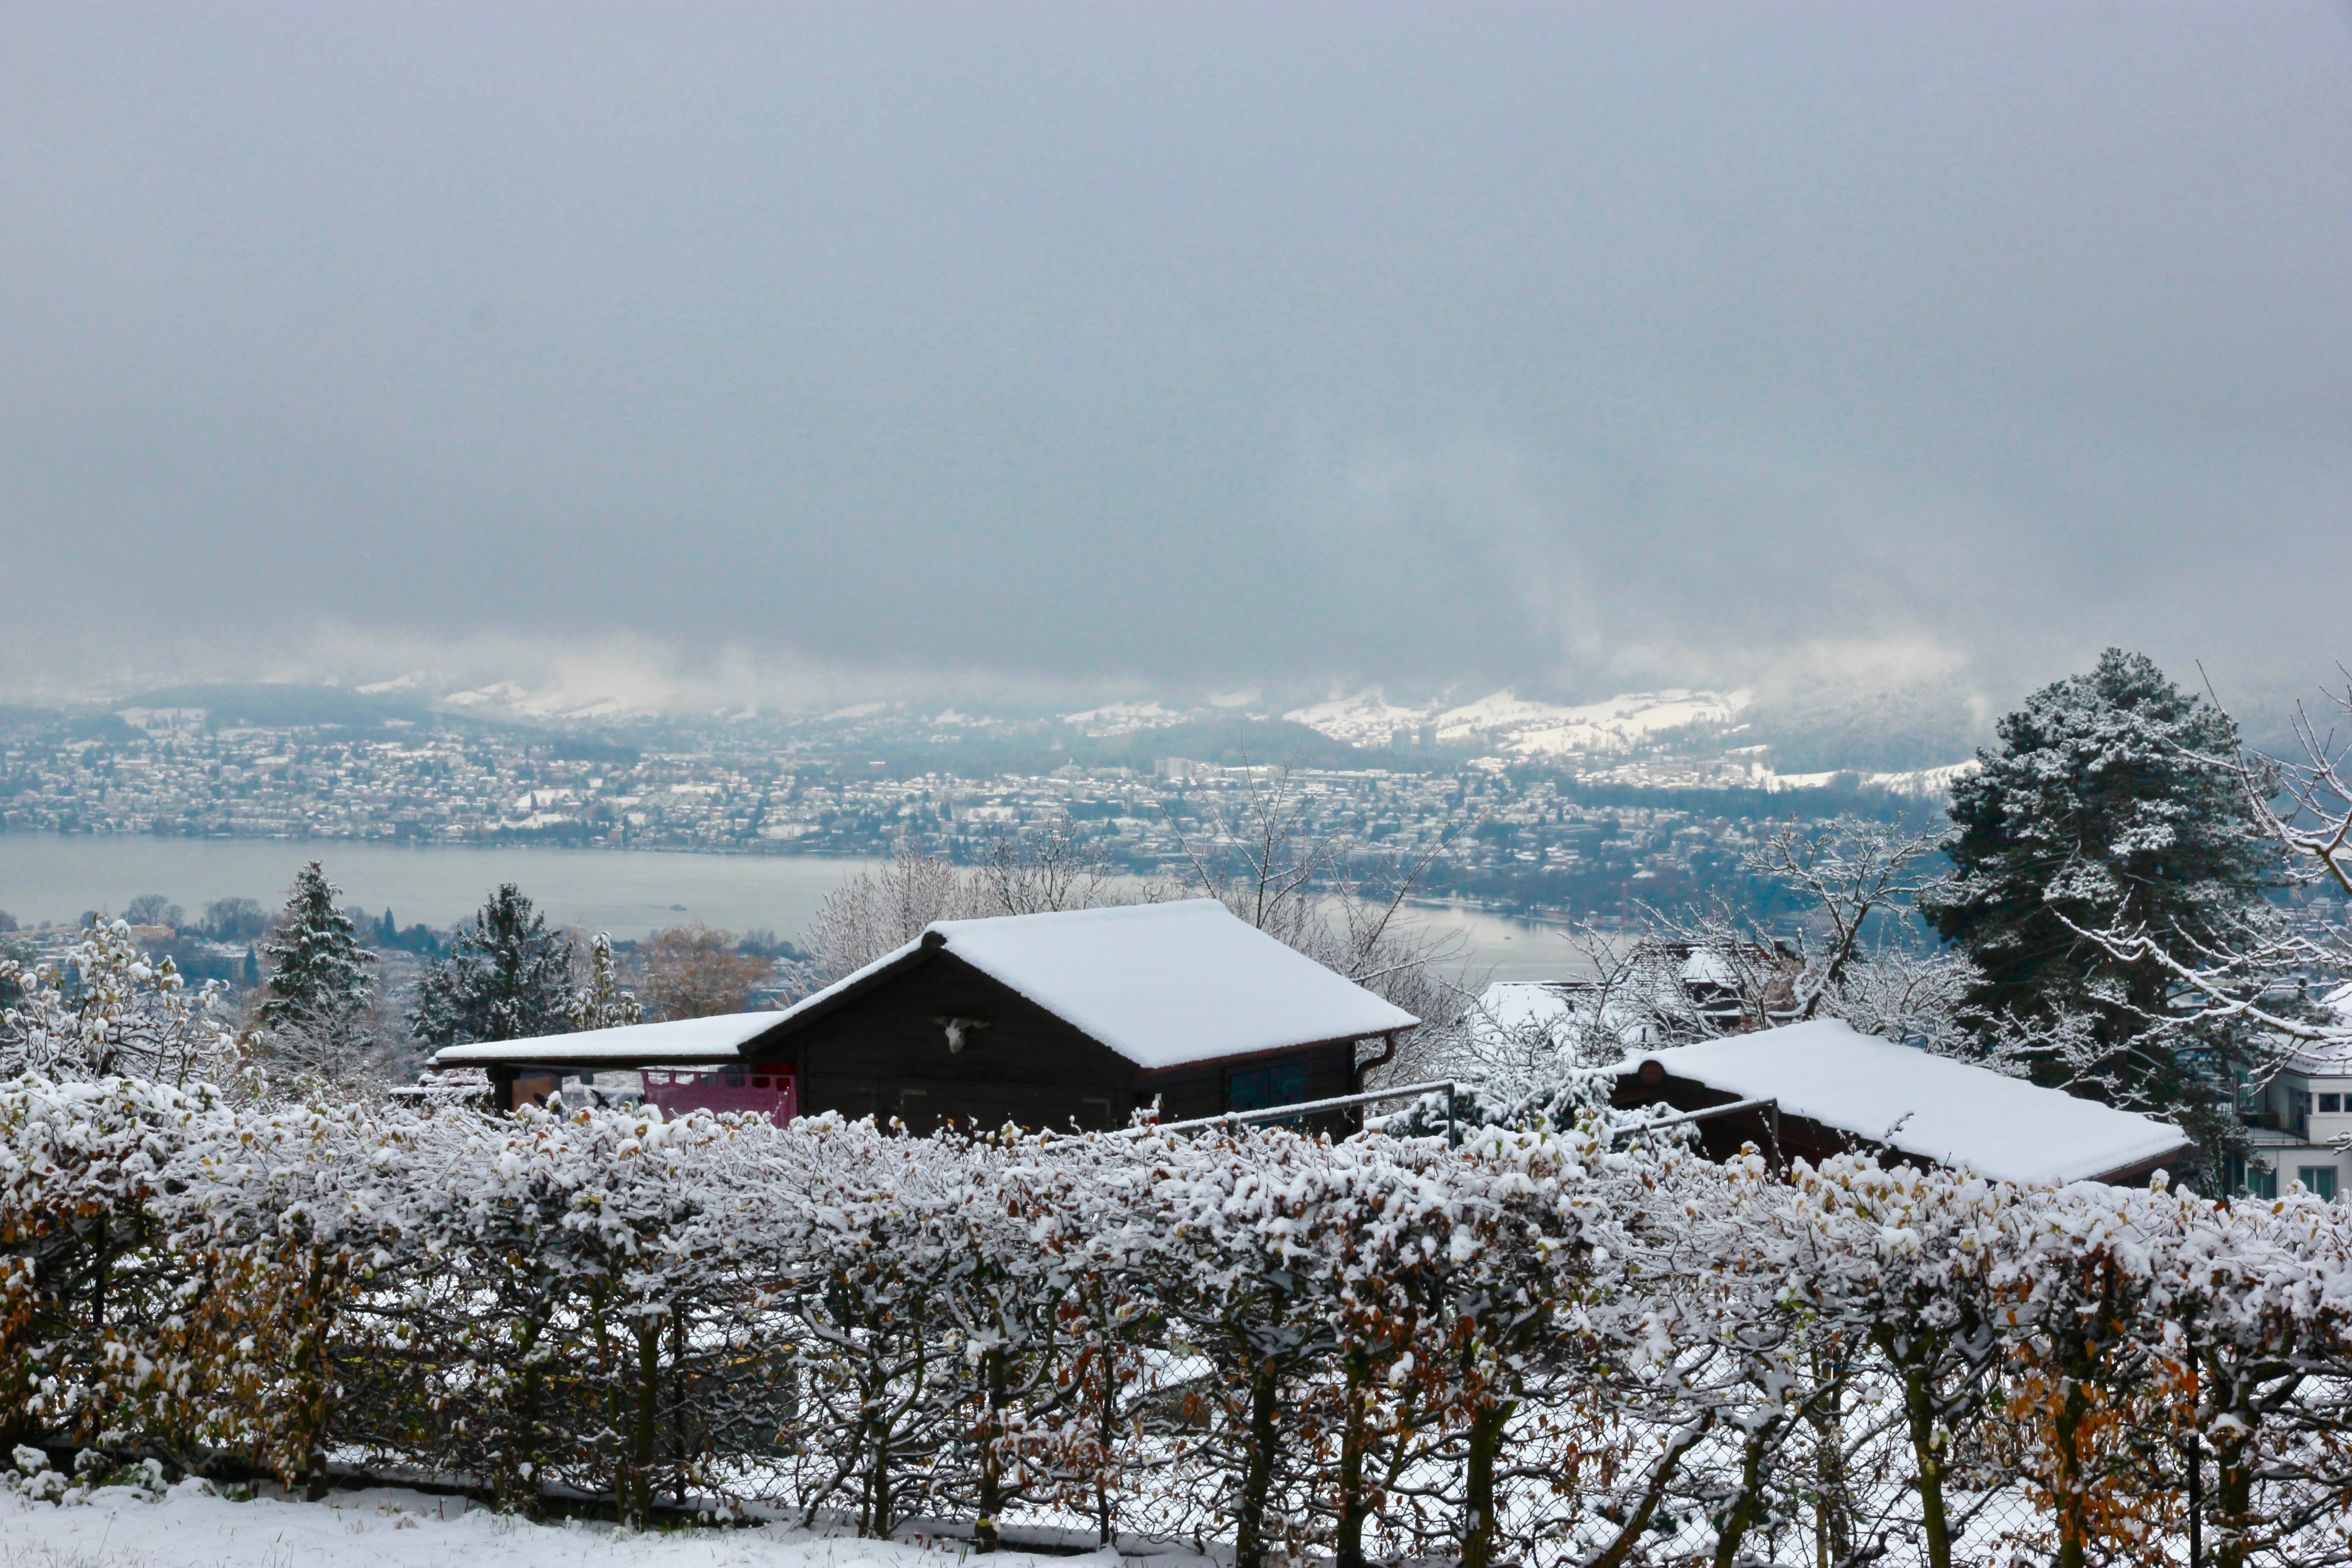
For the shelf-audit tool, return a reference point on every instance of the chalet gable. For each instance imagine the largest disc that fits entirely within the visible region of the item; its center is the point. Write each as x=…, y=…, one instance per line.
x=1163, y=985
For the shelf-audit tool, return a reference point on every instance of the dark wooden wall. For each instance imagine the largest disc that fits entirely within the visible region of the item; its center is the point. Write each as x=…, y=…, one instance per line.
x=1187, y=1093
x=1721, y=1138
x=886, y=1054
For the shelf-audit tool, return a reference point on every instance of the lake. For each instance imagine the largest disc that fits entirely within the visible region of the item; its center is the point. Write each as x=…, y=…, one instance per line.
x=628, y=892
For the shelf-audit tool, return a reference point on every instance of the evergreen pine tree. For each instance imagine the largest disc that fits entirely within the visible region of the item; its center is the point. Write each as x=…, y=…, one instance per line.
x=2103, y=809
x=602, y=1000
x=507, y=977
x=313, y=1004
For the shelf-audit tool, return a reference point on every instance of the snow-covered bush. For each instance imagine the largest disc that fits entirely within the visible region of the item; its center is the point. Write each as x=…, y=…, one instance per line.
x=34, y=1479
x=1541, y=1346
x=106, y=1007
x=174, y=1265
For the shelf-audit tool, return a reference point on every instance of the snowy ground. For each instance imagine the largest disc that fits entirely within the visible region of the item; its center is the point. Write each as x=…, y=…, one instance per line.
x=397, y=1529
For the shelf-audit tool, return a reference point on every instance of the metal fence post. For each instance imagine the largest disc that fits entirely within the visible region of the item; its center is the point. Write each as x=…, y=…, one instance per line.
x=2196, y=1505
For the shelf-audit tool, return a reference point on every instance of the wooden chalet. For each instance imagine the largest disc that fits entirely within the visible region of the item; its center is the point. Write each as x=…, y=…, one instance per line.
x=1077, y=1018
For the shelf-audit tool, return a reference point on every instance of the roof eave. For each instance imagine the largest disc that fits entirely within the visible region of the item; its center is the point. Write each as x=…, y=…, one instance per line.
x=517, y=1055
x=2179, y=1156
x=1144, y=1074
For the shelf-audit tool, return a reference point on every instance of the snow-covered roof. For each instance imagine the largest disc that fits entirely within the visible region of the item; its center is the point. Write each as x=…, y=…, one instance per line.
x=1162, y=985
x=2326, y=1057
x=681, y=1042
x=1525, y=1009
x=1705, y=966
x=1932, y=1107
x=1570, y=1015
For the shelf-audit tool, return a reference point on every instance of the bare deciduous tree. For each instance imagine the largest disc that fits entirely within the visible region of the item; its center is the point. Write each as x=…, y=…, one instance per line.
x=1852, y=873
x=1325, y=895
x=875, y=912
x=1682, y=976
x=1048, y=867
x=1052, y=867
x=694, y=971
x=1855, y=876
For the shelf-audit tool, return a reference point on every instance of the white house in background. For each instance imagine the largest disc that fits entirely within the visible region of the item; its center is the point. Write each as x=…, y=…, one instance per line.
x=2300, y=1123
x=2292, y=1125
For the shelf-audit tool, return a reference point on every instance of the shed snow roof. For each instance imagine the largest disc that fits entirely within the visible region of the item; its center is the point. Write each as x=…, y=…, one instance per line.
x=1162, y=985
x=1521, y=1009
x=1928, y=1106
x=681, y=1042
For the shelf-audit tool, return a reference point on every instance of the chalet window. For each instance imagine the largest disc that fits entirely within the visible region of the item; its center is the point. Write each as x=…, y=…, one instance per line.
x=1262, y=1088
x=2261, y=1181
x=2331, y=1103
x=2319, y=1181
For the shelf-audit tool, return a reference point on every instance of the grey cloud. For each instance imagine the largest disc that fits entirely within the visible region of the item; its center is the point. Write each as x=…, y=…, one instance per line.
x=1188, y=344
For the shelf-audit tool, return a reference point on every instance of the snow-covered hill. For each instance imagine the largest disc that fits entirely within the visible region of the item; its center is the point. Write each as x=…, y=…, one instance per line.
x=1504, y=722
x=510, y=699
x=1621, y=723
x=1367, y=719
x=1125, y=718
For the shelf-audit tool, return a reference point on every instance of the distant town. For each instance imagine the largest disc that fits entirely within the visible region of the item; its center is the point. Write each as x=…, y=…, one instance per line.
x=1515, y=806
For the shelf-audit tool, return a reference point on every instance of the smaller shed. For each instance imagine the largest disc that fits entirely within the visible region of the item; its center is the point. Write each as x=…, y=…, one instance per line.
x=1839, y=1090
x=1078, y=1016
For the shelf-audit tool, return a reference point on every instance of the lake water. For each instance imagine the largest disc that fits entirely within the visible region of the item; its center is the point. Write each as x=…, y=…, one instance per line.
x=629, y=892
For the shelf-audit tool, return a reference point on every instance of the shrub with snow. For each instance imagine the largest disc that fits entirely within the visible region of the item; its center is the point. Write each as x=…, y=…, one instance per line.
x=1538, y=1346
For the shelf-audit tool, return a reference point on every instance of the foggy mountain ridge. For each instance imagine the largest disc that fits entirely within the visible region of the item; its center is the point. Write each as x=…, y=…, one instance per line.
x=1782, y=728
x=1924, y=725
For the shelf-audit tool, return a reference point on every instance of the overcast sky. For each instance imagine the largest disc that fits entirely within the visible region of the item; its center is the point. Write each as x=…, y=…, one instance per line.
x=1576, y=346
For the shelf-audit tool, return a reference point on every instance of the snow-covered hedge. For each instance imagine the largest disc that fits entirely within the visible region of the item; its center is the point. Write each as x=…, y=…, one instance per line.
x=1536, y=1347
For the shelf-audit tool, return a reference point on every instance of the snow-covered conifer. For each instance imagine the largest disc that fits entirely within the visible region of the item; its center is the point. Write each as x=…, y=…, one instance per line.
x=602, y=1000
x=314, y=1011
x=2107, y=806
x=507, y=977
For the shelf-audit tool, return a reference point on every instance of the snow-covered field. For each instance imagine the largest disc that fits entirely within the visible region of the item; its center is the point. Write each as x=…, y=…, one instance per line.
x=386, y=1527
